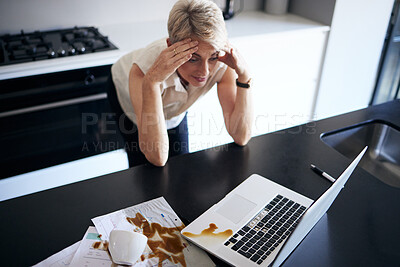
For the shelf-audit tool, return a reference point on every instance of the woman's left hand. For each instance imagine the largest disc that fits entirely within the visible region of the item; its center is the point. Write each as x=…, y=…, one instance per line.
x=233, y=59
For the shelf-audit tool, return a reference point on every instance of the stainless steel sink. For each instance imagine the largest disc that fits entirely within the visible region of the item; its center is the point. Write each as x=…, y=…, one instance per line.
x=383, y=156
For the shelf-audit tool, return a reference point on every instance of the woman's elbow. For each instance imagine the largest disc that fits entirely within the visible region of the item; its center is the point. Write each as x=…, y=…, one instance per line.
x=242, y=140
x=159, y=162
x=156, y=156
x=157, y=159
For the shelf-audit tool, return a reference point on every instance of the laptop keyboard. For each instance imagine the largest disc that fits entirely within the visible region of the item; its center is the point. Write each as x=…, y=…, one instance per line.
x=272, y=225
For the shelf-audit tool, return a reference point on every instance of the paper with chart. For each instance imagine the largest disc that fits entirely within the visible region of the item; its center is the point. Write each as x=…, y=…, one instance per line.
x=92, y=251
x=156, y=220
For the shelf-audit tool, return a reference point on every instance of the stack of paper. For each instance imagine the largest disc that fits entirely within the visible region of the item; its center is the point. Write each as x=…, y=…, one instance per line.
x=155, y=219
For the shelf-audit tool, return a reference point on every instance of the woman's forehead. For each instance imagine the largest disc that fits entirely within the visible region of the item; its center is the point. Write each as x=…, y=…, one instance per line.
x=205, y=49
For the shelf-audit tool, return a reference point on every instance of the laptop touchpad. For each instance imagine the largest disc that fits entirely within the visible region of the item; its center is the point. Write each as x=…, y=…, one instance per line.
x=236, y=208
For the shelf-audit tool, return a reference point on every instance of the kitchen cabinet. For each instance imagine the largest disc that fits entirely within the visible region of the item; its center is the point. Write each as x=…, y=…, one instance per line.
x=285, y=58
x=352, y=56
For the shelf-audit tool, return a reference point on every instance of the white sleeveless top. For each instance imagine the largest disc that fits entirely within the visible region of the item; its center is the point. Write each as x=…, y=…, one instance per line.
x=175, y=98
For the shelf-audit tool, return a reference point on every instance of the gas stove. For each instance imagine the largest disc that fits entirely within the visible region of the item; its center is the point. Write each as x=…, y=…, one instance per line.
x=40, y=45
x=45, y=104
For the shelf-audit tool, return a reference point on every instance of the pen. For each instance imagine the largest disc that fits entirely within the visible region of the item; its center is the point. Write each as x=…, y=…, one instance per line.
x=322, y=173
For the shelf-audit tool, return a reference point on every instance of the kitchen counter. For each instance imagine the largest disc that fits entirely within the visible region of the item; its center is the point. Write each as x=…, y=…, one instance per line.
x=132, y=36
x=360, y=228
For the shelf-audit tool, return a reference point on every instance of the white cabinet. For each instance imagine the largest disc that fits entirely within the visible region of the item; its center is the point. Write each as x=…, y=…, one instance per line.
x=285, y=67
x=352, y=56
x=63, y=174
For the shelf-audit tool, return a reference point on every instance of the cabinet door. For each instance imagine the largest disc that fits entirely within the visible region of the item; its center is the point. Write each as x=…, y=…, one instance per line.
x=285, y=68
x=352, y=56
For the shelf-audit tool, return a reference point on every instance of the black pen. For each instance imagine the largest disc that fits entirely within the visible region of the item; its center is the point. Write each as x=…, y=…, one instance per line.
x=322, y=173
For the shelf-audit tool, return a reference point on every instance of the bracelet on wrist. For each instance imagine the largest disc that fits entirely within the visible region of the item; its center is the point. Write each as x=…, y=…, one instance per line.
x=246, y=85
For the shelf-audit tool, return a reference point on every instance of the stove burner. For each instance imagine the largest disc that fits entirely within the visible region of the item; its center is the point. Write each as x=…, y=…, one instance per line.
x=38, y=45
x=31, y=50
x=80, y=33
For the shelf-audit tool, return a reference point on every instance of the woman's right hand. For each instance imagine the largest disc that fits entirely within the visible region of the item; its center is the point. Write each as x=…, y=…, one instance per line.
x=170, y=59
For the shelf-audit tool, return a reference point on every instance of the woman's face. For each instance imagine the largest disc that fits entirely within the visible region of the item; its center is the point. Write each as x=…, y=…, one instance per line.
x=197, y=70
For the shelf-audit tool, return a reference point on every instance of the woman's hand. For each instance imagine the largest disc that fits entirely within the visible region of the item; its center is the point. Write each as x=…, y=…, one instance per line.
x=234, y=60
x=170, y=59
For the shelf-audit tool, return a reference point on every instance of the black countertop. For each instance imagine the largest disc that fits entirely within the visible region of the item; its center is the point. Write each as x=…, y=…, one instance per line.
x=360, y=229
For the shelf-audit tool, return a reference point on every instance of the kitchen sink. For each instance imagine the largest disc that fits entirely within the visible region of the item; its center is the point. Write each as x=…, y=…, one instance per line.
x=383, y=155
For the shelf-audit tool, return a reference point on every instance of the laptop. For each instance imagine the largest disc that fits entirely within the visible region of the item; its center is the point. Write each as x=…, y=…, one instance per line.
x=260, y=223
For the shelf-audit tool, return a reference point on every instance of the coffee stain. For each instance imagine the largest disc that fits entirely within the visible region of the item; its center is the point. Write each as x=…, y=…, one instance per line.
x=101, y=245
x=164, y=242
x=210, y=232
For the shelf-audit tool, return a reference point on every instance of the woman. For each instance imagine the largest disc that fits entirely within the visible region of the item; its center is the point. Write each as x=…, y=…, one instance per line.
x=157, y=84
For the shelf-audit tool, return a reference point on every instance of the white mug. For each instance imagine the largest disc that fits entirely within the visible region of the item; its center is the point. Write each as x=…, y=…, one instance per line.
x=126, y=246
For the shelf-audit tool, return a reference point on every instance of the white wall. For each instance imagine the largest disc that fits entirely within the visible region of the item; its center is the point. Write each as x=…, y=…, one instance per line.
x=53, y=14
x=31, y=15
x=355, y=43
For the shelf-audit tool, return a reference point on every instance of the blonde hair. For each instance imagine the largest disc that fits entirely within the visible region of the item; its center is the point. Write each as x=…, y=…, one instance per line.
x=200, y=18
